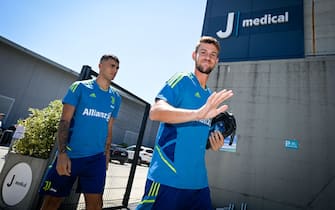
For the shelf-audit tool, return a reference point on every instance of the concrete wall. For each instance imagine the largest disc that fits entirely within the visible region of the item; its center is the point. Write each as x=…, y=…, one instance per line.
x=30, y=81
x=128, y=124
x=277, y=100
x=324, y=27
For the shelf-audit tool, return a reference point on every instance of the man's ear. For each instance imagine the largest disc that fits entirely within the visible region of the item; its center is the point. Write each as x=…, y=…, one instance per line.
x=194, y=54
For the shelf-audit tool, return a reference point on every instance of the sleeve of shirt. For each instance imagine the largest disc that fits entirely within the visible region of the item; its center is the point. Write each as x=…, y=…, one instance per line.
x=118, y=99
x=172, y=90
x=73, y=94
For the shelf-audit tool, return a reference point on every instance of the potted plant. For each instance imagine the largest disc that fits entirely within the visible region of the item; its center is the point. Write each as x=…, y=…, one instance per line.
x=40, y=129
x=29, y=157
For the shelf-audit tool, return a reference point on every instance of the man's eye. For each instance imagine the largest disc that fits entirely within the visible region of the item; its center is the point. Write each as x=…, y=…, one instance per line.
x=114, y=66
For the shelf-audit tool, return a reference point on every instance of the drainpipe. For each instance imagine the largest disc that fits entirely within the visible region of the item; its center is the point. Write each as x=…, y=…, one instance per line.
x=313, y=28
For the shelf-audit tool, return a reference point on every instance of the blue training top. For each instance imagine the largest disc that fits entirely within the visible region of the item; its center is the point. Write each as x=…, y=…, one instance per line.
x=93, y=109
x=179, y=157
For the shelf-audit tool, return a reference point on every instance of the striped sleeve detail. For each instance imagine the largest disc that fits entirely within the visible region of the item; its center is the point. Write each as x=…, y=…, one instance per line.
x=87, y=83
x=173, y=81
x=74, y=86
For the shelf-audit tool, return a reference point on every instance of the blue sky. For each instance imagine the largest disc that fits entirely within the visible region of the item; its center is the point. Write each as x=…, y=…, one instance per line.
x=153, y=39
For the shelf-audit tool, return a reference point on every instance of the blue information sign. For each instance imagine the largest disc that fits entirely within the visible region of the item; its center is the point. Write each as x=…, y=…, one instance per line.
x=291, y=144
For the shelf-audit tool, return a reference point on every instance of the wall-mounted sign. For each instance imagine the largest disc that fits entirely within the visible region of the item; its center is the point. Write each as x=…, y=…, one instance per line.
x=256, y=29
x=16, y=184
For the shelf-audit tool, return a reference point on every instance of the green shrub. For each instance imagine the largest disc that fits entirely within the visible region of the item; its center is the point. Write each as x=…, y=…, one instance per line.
x=40, y=131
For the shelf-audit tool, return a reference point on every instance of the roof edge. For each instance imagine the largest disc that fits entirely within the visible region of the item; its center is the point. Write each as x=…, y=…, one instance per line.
x=36, y=55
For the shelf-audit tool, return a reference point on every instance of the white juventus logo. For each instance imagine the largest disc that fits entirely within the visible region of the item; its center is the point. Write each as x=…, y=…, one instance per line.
x=229, y=27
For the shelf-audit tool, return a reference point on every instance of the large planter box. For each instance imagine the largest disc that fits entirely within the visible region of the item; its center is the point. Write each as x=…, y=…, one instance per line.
x=20, y=179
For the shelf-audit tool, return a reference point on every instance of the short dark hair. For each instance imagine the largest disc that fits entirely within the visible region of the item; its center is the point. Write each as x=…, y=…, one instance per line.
x=208, y=40
x=109, y=56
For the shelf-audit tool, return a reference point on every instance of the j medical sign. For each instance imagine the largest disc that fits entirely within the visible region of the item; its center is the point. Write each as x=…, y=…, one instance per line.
x=256, y=29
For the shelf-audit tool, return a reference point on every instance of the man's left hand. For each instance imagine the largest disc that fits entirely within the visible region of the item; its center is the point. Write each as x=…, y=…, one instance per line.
x=216, y=139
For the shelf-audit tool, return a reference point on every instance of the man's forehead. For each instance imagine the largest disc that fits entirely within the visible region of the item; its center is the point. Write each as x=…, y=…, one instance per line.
x=208, y=47
x=110, y=61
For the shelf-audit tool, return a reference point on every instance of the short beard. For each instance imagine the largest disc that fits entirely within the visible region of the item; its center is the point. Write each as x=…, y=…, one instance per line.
x=202, y=69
